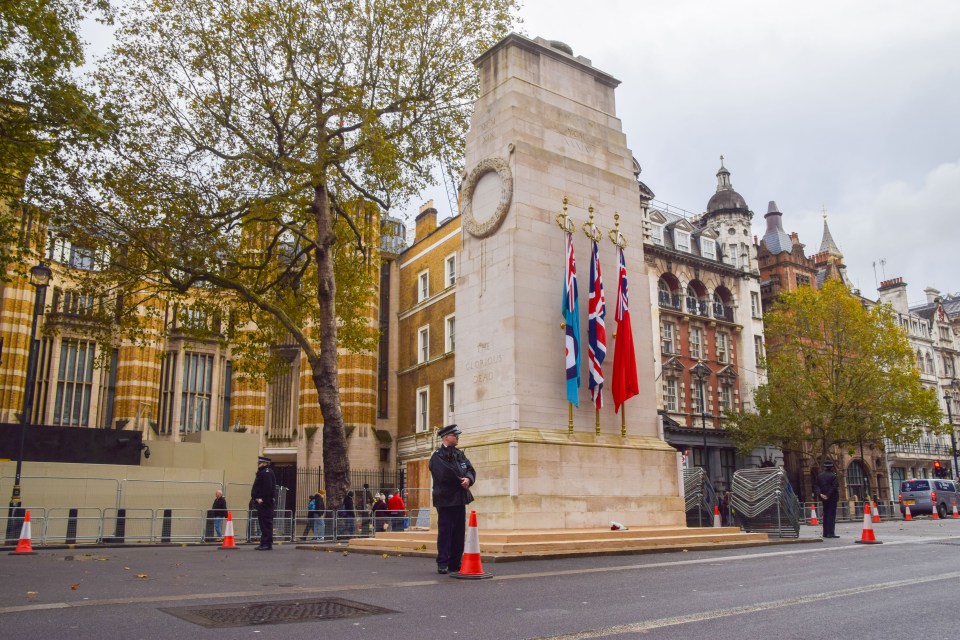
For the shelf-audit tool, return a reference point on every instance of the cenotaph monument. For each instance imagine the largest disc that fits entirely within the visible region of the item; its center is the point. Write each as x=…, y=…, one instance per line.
x=545, y=128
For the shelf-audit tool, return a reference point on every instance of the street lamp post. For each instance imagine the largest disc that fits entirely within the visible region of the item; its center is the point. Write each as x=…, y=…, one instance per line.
x=701, y=372
x=39, y=278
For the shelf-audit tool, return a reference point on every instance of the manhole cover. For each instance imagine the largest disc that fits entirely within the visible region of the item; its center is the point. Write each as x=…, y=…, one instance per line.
x=247, y=614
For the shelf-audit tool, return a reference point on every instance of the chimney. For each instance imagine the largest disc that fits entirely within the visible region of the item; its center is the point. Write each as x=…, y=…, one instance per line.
x=894, y=293
x=426, y=221
x=932, y=294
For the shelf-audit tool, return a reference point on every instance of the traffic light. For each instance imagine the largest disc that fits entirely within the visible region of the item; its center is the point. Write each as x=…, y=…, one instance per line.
x=938, y=470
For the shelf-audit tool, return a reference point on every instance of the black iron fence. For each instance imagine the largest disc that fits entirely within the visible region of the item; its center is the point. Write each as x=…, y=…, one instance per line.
x=364, y=483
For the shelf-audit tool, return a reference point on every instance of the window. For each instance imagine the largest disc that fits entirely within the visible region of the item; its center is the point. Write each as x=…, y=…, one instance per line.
x=449, y=402
x=168, y=373
x=423, y=409
x=656, y=234
x=930, y=368
x=196, y=389
x=722, y=354
x=758, y=349
x=74, y=384
x=945, y=335
x=667, y=337
x=450, y=270
x=726, y=397
x=77, y=304
x=708, y=248
x=696, y=342
x=755, y=304
x=698, y=405
x=227, y=395
x=728, y=464
x=732, y=254
x=670, y=394
x=450, y=326
x=919, y=361
x=682, y=240
x=948, y=368
x=423, y=345
x=423, y=286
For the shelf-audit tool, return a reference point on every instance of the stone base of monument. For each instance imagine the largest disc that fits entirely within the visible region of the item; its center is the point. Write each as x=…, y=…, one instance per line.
x=551, y=543
x=548, y=479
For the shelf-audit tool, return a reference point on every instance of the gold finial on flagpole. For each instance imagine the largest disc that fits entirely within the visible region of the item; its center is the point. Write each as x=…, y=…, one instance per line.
x=590, y=229
x=564, y=221
x=615, y=236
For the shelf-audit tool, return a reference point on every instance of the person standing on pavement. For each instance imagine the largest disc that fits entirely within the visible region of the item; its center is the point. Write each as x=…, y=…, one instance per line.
x=398, y=511
x=828, y=488
x=264, y=488
x=219, y=512
x=453, y=475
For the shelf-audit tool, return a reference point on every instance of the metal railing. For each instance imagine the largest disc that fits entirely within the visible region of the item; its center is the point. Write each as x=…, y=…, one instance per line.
x=160, y=526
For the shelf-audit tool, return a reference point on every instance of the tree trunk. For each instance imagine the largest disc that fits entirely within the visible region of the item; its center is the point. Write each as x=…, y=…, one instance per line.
x=336, y=465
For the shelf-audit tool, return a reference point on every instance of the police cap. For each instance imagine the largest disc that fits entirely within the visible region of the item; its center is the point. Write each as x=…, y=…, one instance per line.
x=448, y=430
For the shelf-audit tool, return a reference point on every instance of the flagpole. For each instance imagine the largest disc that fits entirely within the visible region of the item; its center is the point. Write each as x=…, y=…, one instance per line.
x=597, y=332
x=568, y=226
x=620, y=242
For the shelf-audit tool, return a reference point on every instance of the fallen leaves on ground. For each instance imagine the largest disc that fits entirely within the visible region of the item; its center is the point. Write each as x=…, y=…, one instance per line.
x=74, y=587
x=142, y=576
x=32, y=594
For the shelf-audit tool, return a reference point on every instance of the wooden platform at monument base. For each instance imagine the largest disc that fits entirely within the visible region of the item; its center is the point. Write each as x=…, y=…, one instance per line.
x=501, y=546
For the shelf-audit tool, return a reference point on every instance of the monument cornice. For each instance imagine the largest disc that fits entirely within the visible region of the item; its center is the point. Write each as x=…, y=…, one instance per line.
x=529, y=435
x=539, y=47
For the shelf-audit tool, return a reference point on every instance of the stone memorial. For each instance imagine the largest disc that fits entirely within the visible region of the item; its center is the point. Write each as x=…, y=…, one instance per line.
x=545, y=128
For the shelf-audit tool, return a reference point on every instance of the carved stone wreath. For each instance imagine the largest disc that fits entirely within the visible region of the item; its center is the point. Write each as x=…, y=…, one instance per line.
x=482, y=229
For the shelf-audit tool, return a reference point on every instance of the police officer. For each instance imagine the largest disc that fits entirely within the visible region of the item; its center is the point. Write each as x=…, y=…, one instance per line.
x=264, y=487
x=828, y=489
x=453, y=475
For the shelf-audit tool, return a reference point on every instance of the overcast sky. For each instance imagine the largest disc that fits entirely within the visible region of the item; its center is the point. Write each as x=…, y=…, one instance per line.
x=853, y=106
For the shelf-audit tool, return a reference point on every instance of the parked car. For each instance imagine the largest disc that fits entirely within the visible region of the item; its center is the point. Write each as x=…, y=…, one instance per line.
x=922, y=495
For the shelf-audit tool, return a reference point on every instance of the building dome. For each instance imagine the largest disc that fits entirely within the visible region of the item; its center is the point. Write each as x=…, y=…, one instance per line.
x=726, y=199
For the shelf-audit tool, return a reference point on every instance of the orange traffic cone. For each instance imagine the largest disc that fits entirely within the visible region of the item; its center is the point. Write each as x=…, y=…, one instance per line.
x=867, y=536
x=228, y=541
x=876, y=513
x=813, y=515
x=716, y=516
x=934, y=515
x=470, y=567
x=955, y=514
x=906, y=515
x=23, y=545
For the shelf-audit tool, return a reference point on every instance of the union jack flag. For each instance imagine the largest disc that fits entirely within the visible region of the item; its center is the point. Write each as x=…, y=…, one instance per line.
x=596, y=331
x=571, y=320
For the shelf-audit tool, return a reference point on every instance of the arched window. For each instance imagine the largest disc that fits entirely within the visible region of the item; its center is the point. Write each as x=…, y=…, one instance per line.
x=857, y=487
x=668, y=295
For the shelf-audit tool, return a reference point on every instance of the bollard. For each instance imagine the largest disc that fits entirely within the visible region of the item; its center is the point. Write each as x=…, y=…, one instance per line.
x=71, y=527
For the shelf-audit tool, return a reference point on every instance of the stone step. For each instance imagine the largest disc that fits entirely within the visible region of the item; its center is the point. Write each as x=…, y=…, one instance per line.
x=556, y=543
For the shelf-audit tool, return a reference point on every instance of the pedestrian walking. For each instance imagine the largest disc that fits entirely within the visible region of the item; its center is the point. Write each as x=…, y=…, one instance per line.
x=262, y=492
x=453, y=475
x=828, y=488
x=380, y=513
x=315, y=522
x=219, y=512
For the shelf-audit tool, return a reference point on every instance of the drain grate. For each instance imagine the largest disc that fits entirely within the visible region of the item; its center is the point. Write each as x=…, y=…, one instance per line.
x=245, y=614
x=953, y=542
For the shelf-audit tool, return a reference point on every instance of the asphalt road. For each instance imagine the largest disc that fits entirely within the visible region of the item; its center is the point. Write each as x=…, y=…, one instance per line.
x=905, y=587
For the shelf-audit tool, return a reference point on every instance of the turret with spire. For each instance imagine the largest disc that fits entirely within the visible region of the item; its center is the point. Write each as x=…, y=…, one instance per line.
x=827, y=244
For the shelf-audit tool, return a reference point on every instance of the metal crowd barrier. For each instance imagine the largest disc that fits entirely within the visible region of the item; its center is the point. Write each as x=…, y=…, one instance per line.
x=699, y=498
x=763, y=501
x=63, y=525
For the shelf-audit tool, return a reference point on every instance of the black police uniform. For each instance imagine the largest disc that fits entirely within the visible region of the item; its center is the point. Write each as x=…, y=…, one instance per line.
x=828, y=485
x=264, y=487
x=448, y=466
